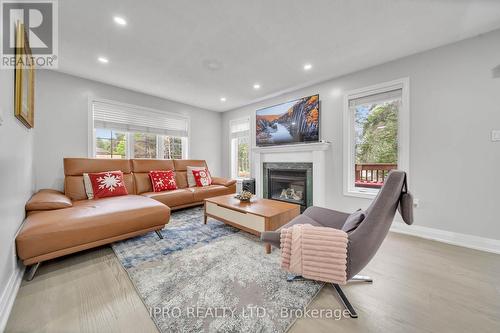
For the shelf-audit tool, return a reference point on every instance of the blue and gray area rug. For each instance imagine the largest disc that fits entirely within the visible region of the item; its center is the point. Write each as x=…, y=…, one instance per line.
x=211, y=278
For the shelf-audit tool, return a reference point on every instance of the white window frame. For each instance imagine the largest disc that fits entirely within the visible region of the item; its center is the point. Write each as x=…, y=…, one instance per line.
x=130, y=140
x=349, y=134
x=233, y=149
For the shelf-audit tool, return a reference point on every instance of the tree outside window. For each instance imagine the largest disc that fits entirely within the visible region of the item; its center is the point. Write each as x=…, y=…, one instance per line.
x=376, y=142
x=144, y=145
x=110, y=144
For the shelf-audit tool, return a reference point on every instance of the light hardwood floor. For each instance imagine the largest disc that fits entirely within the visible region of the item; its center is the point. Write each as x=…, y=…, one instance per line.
x=419, y=286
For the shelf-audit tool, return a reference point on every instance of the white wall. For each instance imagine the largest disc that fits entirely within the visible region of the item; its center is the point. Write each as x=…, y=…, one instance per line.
x=62, y=119
x=454, y=105
x=16, y=179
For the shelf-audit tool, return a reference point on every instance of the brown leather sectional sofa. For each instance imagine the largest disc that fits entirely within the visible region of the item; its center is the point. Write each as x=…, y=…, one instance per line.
x=62, y=223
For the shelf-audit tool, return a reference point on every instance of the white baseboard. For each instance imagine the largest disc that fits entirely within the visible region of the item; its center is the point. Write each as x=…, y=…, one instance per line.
x=454, y=238
x=9, y=295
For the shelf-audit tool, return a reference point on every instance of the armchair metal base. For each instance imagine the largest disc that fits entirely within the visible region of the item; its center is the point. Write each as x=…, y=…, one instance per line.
x=338, y=290
x=158, y=232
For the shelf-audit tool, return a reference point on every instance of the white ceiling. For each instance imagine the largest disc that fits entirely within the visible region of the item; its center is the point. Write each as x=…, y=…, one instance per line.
x=166, y=45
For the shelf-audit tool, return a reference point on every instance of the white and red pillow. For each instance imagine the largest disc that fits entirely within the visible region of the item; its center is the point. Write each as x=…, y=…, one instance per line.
x=202, y=177
x=163, y=180
x=107, y=184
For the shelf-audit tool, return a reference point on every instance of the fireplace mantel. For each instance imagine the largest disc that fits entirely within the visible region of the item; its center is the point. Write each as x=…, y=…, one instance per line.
x=293, y=148
x=314, y=153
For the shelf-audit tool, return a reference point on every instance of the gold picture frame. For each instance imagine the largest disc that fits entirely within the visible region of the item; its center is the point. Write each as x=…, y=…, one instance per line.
x=24, y=79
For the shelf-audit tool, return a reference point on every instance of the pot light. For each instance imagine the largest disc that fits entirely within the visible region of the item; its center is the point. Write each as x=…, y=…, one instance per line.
x=256, y=86
x=307, y=67
x=103, y=60
x=223, y=99
x=120, y=20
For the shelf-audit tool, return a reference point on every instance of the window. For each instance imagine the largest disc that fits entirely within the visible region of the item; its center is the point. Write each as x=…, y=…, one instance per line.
x=240, y=148
x=145, y=145
x=376, y=136
x=125, y=131
x=172, y=147
x=110, y=144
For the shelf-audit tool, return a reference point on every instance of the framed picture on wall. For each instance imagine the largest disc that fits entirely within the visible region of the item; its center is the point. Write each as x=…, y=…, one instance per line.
x=24, y=79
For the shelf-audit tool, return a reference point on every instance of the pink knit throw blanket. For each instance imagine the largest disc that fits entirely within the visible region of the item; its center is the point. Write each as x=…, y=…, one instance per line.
x=316, y=253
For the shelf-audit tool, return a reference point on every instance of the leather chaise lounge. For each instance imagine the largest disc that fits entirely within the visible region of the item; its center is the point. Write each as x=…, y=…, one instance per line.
x=59, y=223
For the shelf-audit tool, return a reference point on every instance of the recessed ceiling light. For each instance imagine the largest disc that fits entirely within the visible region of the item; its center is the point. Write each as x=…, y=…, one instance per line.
x=223, y=99
x=119, y=20
x=256, y=86
x=103, y=60
x=307, y=67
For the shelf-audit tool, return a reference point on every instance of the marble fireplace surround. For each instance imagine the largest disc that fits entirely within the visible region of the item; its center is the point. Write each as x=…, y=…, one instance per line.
x=304, y=167
x=314, y=153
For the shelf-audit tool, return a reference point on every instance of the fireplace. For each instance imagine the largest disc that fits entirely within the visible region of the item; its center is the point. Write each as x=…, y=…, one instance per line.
x=289, y=182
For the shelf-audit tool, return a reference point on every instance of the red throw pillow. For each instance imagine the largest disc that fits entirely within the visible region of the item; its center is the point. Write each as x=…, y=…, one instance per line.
x=163, y=180
x=202, y=177
x=108, y=184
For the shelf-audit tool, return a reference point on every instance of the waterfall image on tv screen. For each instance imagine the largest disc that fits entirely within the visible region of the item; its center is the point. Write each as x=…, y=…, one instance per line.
x=292, y=122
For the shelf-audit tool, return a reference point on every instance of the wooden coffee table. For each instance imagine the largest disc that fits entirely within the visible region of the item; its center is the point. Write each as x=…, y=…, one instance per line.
x=254, y=217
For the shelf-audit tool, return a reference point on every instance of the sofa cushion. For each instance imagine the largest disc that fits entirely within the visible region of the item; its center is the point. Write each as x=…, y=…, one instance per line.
x=162, y=180
x=173, y=198
x=88, y=221
x=107, y=184
x=181, y=179
x=77, y=166
x=180, y=167
x=191, y=179
x=202, y=177
x=74, y=187
x=146, y=165
x=201, y=193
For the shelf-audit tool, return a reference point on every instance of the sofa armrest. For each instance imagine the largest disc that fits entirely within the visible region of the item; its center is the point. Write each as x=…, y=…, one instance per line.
x=223, y=181
x=47, y=199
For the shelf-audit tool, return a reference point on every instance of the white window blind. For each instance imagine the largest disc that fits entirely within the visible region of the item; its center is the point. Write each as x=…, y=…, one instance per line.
x=136, y=119
x=376, y=98
x=240, y=128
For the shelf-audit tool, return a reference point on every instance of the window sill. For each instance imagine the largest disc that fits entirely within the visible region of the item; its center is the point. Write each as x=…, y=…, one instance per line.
x=361, y=194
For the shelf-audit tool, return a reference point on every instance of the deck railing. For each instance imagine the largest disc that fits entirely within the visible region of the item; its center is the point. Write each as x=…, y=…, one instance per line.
x=372, y=175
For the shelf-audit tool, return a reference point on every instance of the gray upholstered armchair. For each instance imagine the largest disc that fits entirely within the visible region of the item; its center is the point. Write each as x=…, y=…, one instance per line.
x=364, y=241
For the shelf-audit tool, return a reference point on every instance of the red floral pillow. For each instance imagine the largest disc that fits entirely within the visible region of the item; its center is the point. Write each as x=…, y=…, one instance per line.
x=163, y=180
x=202, y=177
x=107, y=184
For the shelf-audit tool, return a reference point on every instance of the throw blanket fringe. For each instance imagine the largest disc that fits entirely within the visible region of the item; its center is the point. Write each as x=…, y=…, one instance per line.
x=316, y=253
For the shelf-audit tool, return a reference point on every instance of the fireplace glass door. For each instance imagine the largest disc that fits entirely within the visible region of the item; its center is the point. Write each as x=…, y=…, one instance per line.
x=288, y=185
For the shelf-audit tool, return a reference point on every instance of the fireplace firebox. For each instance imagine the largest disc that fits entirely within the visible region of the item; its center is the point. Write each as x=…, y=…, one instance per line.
x=289, y=182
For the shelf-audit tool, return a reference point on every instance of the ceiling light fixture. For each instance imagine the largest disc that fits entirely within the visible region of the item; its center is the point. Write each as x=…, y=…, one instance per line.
x=256, y=86
x=223, y=99
x=120, y=20
x=307, y=67
x=103, y=60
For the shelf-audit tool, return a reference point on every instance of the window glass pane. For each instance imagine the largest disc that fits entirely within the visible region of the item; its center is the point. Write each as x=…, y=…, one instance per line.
x=110, y=144
x=243, y=157
x=144, y=145
x=172, y=147
x=376, y=141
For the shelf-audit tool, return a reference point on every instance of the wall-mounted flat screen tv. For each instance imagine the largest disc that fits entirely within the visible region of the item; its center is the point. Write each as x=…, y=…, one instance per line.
x=288, y=123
